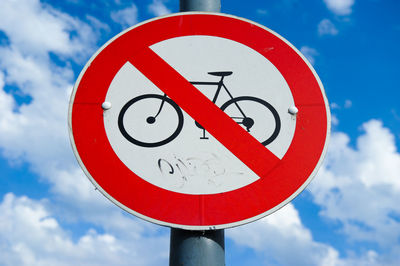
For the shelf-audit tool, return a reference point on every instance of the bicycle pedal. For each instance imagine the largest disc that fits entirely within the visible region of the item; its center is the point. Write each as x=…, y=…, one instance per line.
x=203, y=137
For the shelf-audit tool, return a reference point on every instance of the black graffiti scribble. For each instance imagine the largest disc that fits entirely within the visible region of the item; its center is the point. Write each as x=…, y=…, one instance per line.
x=193, y=167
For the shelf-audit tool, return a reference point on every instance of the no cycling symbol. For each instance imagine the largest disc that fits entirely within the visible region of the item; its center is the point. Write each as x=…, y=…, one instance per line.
x=194, y=126
x=155, y=122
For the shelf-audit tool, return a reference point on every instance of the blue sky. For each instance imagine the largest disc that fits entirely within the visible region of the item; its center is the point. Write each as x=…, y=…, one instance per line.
x=50, y=213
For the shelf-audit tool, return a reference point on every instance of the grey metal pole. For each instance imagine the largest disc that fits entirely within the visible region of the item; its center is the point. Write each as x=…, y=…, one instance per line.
x=197, y=248
x=200, y=5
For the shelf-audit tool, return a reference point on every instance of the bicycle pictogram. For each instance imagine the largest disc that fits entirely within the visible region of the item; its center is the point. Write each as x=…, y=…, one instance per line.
x=160, y=101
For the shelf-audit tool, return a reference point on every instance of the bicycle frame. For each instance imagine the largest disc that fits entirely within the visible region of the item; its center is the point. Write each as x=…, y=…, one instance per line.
x=220, y=84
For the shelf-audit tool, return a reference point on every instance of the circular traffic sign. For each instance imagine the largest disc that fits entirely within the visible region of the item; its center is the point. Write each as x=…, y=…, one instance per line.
x=192, y=125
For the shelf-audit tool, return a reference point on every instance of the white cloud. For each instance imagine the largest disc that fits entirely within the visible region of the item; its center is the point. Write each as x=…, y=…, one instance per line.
x=282, y=239
x=37, y=132
x=158, y=8
x=326, y=27
x=98, y=26
x=335, y=105
x=360, y=186
x=348, y=104
x=43, y=118
x=30, y=235
x=340, y=7
x=126, y=17
x=334, y=120
x=34, y=27
x=309, y=53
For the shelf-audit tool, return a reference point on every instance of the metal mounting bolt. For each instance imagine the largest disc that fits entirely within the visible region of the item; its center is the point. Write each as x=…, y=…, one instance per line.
x=106, y=105
x=293, y=110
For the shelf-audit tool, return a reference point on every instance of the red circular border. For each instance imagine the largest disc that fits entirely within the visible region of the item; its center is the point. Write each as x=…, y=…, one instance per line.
x=220, y=210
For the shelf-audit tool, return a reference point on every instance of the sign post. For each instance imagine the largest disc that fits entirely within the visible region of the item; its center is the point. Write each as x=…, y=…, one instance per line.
x=205, y=247
x=199, y=121
x=200, y=5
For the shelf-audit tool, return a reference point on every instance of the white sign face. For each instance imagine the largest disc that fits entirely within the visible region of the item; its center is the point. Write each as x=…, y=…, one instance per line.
x=162, y=144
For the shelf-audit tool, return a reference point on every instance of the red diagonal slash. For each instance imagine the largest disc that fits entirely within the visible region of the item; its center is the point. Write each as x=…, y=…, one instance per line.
x=244, y=146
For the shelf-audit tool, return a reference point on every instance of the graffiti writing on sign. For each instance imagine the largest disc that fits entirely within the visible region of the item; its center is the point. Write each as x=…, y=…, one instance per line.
x=210, y=168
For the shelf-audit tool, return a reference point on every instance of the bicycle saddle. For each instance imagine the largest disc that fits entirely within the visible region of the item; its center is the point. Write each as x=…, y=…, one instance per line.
x=221, y=74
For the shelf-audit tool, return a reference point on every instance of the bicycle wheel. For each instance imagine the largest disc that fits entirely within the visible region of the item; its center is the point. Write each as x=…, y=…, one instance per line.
x=148, y=116
x=250, y=119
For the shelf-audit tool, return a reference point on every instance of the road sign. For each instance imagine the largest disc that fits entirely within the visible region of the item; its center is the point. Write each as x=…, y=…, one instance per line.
x=199, y=121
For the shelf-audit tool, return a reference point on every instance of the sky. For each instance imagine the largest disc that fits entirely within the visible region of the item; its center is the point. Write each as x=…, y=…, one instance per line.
x=50, y=214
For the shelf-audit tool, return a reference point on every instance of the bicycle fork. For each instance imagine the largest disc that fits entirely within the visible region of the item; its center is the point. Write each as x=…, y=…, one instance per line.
x=246, y=121
x=152, y=119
